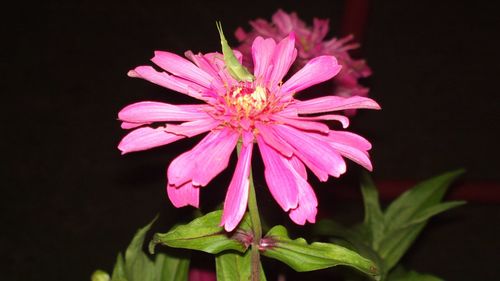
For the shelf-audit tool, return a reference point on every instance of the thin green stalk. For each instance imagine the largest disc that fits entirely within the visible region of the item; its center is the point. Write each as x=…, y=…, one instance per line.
x=253, y=209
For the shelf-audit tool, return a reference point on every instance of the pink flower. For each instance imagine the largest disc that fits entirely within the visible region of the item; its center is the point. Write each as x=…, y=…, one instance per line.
x=287, y=130
x=310, y=44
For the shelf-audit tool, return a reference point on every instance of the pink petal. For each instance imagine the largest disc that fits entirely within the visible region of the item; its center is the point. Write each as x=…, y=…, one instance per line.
x=302, y=124
x=342, y=119
x=279, y=176
x=130, y=125
x=333, y=103
x=349, y=138
x=214, y=158
x=181, y=67
x=282, y=21
x=202, y=62
x=356, y=155
x=148, y=111
x=272, y=140
x=236, y=200
x=182, y=169
x=298, y=166
x=168, y=81
x=184, y=195
x=283, y=57
x=317, y=154
x=315, y=71
x=193, y=128
x=205, y=161
x=262, y=52
x=146, y=138
x=307, y=208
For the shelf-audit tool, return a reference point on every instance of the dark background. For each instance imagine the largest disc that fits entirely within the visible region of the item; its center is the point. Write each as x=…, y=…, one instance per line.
x=70, y=202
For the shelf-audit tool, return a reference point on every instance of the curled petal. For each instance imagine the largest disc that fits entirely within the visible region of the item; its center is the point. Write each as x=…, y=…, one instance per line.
x=317, y=70
x=181, y=67
x=149, y=111
x=333, y=103
x=184, y=195
x=307, y=207
x=317, y=154
x=193, y=128
x=302, y=124
x=351, y=139
x=146, y=138
x=272, y=140
x=236, y=200
x=168, y=81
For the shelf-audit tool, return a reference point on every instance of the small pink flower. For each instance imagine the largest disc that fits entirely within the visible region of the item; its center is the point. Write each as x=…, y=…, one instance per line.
x=310, y=44
x=264, y=111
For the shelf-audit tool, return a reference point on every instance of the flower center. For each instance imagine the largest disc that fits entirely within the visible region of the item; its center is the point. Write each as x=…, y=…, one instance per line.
x=247, y=100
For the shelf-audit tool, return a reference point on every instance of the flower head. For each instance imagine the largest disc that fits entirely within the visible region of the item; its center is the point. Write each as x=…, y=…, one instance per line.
x=261, y=110
x=310, y=44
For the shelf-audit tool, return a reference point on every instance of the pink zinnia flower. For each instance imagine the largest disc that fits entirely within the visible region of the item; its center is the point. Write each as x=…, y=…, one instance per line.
x=264, y=111
x=310, y=44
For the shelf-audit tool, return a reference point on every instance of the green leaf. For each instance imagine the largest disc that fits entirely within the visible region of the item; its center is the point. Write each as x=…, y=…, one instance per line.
x=119, y=269
x=234, y=266
x=169, y=268
x=374, y=222
x=205, y=234
x=400, y=274
x=408, y=214
x=138, y=266
x=423, y=195
x=301, y=256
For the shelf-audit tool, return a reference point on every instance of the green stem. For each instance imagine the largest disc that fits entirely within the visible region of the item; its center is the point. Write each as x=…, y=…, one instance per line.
x=256, y=226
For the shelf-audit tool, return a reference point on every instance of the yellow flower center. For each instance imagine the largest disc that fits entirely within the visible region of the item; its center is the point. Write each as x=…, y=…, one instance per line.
x=247, y=100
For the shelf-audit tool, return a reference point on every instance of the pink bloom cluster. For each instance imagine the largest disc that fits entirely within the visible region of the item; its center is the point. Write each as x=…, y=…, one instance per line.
x=310, y=44
x=264, y=111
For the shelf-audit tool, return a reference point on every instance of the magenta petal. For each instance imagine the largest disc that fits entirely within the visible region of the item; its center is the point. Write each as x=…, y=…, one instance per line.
x=317, y=154
x=298, y=166
x=283, y=57
x=274, y=141
x=351, y=139
x=150, y=111
x=236, y=200
x=315, y=71
x=184, y=195
x=181, y=169
x=181, y=67
x=262, y=51
x=205, y=161
x=168, y=81
x=302, y=124
x=193, y=128
x=333, y=103
x=213, y=157
x=146, y=138
x=342, y=119
x=130, y=125
x=283, y=21
x=356, y=155
x=279, y=176
x=307, y=208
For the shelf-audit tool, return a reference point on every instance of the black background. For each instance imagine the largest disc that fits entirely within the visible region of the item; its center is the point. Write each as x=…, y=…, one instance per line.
x=70, y=202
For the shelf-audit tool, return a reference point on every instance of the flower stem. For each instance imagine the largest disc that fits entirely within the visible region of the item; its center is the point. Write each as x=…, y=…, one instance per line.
x=256, y=226
x=257, y=230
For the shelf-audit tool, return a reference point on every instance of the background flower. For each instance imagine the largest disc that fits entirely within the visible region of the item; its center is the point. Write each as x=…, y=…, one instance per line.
x=311, y=43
